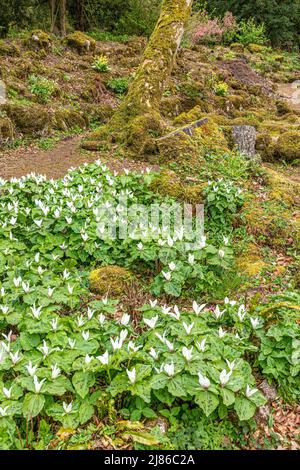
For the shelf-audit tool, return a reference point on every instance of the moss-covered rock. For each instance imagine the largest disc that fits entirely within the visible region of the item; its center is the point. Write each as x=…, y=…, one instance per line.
x=80, y=42
x=237, y=47
x=287, y=147
x=282, y=189
x=167, y=183
x=32, y=118
x=39, y=39
x=251, y=262
x=9, y=49
x=256, y=48
x=68, y=119
x=110, y=280
x=6, y=129
x=265, y=146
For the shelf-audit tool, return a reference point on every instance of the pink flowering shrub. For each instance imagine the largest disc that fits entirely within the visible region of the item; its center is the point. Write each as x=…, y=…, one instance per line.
x=214, y=30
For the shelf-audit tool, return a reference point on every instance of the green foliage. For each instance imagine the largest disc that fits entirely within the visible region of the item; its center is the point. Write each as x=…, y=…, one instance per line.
x=100, y=64
x=251, y=33
x=119, y=85
x=42, y=88
x=140, y=17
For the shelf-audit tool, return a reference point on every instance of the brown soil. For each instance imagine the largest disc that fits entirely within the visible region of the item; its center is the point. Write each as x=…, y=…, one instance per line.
x=55, y=162
x=243, y=73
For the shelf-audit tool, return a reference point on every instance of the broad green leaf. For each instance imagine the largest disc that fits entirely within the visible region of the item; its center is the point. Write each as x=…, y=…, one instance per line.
x=33, y=405
x=207, y=401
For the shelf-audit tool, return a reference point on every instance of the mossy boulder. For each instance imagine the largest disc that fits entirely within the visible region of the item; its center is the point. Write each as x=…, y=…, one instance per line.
x=80, y=42
x=237, y=47
x=9, y=49
x=282, y=189
x=287, y=147
x=265, y=146
x=167, y=183
x=65, y=119
x=39, y=39
x=29, y=119
x=110, y=280
x=256, y=48
x=6, y=129
x=251, y=262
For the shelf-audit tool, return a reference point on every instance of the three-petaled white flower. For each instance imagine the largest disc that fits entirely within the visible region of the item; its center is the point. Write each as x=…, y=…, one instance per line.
x=31, y=369
x=250, y=392
x=153, y=303
x=218, y=313
x=7, y=392
x=198, y=308
x=88, y=359
x=254, y=322
x=187, y=353
x=169, y=369
x=151, y=322
x=90, y=313
x=221, y=253
x=231, y=365
x=166, y=275
x=86, y=335
x=204, y=381
x=241, y=312
x=38, y=384
x=4, y=411
x=153, y=353
x=104, y=358
x=221, y=332
x=191, y=259
x=72, y=343
x=188, y=328
x=172, y=266
x=55, y=371
x=131, y=375
x=68, y=407
x=125, y=319
x=15, y=357
x=101, y=318
x=201, y=346
x=36, y=311
x=224, y=377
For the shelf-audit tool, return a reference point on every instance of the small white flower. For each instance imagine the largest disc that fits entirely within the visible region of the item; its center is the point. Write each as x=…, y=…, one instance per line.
x=191, y=259
x=133, y=347
x=202, y=242
x=241, y=312
x=54, y=324
x=187, y=353
x=169, y=369
x=125, y=319
x=221, y=332
x=37, y=257
x=226, y=240
x=50, y=291
x=72, y=343
x=131, y=375
x=4, y=309
x=39, y=223
x=36, y=311
x=188, y=328
x=40, y=270
x=169, y=345
x=151, y=322
x=254, y=322
x=80, y=320
x=123, y=335
x=165, y=310
x=63, y=246
x=170, y=241
x=153, y=303
x=31, y=369
x=90, y=313
x=101, y=318
x=4, y=411
x=15, y=357
x=67, y=407
x=250, y=392
x=7, y=392
x=70, y=289
x=224, y=377
x=66, y=274
x=17, y=281
x=84, y=237
x=218, y=313
x=140, y=246
x=204, y=381
x=55, y=371
x=172, y=266
x=88, y=359
x=198, y=308
x=231, y=365
x=38, y=384
x=44, y=349
x=104, y=358
x=153, y=353
x=116, y=343
x=201, y=346
x=221, y=253
x=166, y=275
x=86, y=335
x=26, y=287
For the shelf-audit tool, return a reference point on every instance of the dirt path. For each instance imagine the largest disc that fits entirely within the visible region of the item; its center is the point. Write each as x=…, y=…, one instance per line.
x=55, y=162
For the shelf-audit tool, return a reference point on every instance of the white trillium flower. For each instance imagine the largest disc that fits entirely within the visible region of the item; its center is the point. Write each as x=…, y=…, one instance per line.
x=187, y=353
x=104, y=358
x=204, y=381
x=201, y=346
x=88, y=359
x=90, y=313
x=226, y=240
x=169, y=345
x=55, y=371
x=202, y=242
x=66, y=274
x=44, y=349
x=153, y=353
x=133, y=347
x=72, y=343
x=153, y=303
x=86, y=335
x=224, y=377
x=38, y=384
x=39, y=223
x=26, y=287
x=250, y=392
x=221, y=332
x=40, y=270
x=101, y=318
x=70, y=289
x=80, y=320
x=166, y=275
x=31, y=369
x=17, y=281
x=123, y=335
x=140, y=246
x=172, y=266
x=4, y=411
x=50, y=291
x=116, y=343
x=191, y=259
x=221, y=253
x=170, y=241
x=241, y=312
x=169, y=369
x=165, y=310
x=36, y=311
x=254, y=322
x=54, y=324
x=198, y=308
x=67, y=407
x=151, y=322
x=125, y=319
x=131, y=375
x=218, y=313
x=188, y=328
x=15, y=357
x=7, y=392
x=231, y=365
x=4, y=309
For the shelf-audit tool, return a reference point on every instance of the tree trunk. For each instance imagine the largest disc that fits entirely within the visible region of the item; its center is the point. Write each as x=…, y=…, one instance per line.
x=138, y=118
x=63, y=18
x=58, y=17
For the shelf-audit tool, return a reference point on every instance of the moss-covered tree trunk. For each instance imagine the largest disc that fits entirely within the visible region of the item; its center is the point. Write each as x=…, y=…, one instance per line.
x=138, y=118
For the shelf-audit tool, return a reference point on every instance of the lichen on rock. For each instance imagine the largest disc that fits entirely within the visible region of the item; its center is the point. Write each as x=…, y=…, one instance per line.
x=111, y=280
